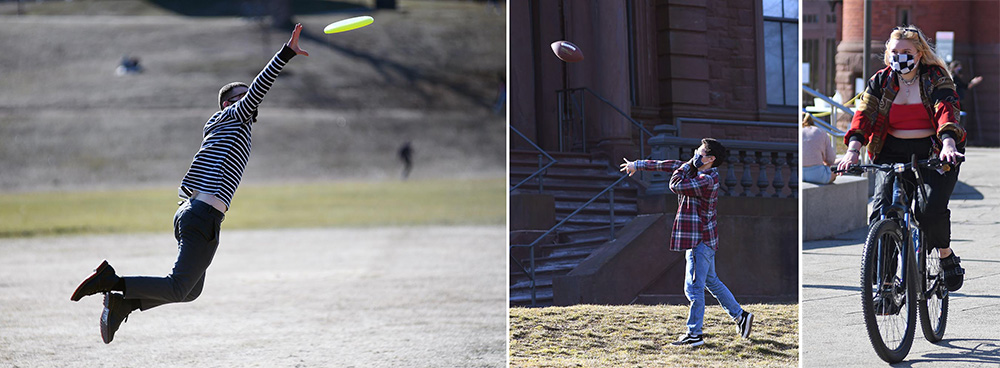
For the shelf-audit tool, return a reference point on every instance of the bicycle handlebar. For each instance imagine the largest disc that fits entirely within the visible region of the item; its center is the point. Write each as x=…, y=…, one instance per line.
x=931, y=163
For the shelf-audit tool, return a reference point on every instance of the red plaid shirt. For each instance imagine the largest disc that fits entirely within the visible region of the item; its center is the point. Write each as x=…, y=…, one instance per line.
x=697, y=199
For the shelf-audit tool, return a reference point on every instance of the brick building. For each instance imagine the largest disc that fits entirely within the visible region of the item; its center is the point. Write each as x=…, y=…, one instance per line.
x=976, y=45
x=657, y=61
x=677, y=69
x=821, y=26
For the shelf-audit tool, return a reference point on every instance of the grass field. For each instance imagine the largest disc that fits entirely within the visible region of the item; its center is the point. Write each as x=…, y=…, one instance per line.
x=335, y=204
x=639, y=336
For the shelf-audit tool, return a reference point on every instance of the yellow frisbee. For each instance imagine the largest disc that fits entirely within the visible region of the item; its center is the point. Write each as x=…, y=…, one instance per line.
x=348, y=24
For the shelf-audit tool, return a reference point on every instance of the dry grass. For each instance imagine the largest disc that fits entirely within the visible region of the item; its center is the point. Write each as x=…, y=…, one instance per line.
x=639, y=336
x=340, y=204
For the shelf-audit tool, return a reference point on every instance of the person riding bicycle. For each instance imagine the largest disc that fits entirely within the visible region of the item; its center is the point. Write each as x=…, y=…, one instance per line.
x=910, y=107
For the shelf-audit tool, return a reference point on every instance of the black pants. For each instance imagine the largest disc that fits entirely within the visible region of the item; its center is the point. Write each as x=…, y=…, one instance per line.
x=933, y=213
x=196, y=228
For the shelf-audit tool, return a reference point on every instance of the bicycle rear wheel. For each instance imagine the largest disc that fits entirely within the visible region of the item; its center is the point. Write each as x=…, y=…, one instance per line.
x=934, y=306
x=892, y=323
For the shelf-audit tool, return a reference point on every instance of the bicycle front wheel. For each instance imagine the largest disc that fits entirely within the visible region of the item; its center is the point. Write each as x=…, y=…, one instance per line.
x=887, y=298
x=934, y=305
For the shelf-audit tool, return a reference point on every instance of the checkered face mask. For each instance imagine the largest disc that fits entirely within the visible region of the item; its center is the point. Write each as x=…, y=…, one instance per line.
x=903, y=63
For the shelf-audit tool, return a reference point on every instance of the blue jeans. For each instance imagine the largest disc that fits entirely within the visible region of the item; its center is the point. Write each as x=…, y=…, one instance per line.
x=699, y=275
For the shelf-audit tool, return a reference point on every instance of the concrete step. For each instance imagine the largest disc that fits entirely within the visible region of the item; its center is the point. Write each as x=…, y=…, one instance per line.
x=587, y=234
x=597, y=208
x=559, y=156
x=545, y=250
x=594, y=183
x=543, y=297
x=521, y=172
x=555, y=186
x=593, y=220
x=569, y=164
x=583, y=197
x=526, y=284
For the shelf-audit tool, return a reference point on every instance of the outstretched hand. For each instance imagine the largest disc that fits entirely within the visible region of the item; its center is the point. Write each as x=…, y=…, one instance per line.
x=628, y=167
x=293, y=43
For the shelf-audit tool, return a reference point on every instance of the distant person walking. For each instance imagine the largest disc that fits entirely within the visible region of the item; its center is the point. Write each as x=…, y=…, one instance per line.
x=406, y=154
x=207, y=189
x=962, y=86
x=696, y=183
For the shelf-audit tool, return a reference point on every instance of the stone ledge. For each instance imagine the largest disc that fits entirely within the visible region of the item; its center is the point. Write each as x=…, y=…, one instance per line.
x=832, y=209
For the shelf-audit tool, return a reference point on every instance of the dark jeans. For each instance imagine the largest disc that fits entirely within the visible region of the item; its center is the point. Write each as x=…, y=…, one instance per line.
x=933, y=214
x=196, y=228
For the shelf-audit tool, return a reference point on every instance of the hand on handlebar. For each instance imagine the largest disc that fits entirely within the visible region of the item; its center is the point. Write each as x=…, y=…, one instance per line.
x=850, y=158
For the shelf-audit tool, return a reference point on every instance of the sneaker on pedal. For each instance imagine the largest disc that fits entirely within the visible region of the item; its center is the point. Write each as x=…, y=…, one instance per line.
x=689, y=340
x=954, y=274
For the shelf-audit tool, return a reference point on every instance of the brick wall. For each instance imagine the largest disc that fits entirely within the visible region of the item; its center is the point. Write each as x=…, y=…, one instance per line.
x=977, y=41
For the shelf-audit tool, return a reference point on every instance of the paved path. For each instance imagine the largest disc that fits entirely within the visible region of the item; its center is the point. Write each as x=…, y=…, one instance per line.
x=833, y=331
x=389, y=297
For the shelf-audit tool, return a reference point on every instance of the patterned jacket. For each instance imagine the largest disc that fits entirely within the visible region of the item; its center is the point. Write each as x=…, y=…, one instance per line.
x=697, y=199
x=937, y=91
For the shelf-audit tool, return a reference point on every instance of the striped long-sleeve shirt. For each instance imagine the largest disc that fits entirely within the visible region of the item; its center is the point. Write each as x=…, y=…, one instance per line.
x=218, y=166
x=697, y=199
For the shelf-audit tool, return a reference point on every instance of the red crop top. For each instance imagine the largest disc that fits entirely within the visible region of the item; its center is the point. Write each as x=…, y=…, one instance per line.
x=909, y=117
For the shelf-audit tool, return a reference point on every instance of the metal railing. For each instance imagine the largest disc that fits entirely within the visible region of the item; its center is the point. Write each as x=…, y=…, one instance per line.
x=574, y=100
x=830, y=127
x=540, y=173
x=530, y=271
x=826, y=127
x=834, y=105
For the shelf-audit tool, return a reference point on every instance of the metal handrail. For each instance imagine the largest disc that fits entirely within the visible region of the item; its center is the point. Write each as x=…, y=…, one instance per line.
x=541, y=170
x=531, y=246
x=826, y=99
x=636, y=124
x=827, y=127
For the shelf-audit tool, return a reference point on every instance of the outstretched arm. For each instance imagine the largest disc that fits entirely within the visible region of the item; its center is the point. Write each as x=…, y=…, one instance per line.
x=247, y=105
x=630, y=167
x=293, y=43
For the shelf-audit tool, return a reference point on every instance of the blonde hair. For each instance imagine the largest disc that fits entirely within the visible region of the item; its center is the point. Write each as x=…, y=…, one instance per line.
x=913, y=34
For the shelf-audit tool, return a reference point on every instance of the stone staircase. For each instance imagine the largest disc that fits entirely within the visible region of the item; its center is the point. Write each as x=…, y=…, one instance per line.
x=572, y=181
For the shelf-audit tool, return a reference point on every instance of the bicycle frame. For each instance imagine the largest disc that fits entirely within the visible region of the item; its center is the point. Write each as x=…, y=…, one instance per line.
x=901, y=209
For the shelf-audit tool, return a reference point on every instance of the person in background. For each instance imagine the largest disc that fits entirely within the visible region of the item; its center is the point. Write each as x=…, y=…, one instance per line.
x=818, y=154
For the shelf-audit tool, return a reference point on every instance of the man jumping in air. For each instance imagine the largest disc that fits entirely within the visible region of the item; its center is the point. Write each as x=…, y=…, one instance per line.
x=207, y=190
x=696, y=184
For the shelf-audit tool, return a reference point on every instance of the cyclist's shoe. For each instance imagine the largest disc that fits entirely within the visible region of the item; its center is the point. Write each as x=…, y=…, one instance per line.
x=954, y=274
x=689, y=340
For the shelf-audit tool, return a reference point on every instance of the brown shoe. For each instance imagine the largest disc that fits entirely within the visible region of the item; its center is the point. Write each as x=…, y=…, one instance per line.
x=101, y=281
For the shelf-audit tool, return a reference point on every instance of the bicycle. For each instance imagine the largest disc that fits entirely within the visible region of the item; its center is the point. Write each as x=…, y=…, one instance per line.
x=889, y=285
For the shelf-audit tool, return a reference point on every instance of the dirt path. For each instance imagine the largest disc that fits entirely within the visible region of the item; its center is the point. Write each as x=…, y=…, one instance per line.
x=381, y=297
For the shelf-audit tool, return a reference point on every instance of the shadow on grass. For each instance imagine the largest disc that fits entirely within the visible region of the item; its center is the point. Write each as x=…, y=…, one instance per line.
x=392, y=71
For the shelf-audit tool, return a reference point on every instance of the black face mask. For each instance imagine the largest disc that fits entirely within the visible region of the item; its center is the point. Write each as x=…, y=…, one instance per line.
x=903, y=63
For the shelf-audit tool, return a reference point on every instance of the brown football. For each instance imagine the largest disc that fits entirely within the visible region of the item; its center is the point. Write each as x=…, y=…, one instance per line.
x=567, y=51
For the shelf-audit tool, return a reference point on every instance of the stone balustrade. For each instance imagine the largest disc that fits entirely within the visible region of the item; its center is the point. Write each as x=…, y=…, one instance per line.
x=753, y=169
